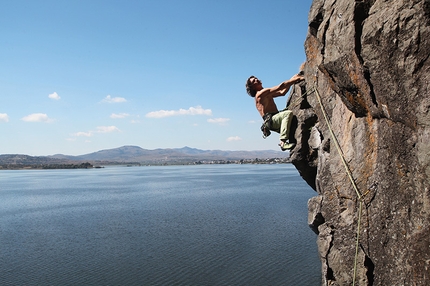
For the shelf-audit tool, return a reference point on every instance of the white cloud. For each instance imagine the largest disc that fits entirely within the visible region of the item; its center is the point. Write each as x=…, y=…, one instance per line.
x=54, y=96
x=119, y=115
x=110, y=99
x=234, y=138
x=100, y=129
x=107, y=129
x=37, y=117
x=221, y=121
x=198, y=110
x=83, y=134
x=4, y=117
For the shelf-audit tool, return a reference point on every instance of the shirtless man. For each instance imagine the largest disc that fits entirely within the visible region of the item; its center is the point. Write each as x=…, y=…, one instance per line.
x=266, y=106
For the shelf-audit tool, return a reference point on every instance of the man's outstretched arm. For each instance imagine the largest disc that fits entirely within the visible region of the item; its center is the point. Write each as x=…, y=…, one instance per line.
x=283, y=88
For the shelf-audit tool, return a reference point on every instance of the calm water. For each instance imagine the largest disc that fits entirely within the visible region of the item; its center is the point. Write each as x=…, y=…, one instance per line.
x=176, y=225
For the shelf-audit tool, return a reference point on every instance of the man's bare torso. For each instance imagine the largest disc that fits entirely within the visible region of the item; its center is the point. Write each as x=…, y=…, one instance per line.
x=265, y=103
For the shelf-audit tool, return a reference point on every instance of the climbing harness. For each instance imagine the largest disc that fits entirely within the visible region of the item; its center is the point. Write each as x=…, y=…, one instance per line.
x=359, y=195
x=267, y=124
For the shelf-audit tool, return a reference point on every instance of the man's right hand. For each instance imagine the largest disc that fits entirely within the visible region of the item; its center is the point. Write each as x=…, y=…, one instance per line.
x=297, y=78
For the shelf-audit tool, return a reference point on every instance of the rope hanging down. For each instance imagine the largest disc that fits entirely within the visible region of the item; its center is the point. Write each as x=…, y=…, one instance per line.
x=297, y=101
x=359, y=195
x=336, y=143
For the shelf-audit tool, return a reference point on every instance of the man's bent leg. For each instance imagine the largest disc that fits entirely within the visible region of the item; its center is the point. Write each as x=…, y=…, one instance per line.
x=282, y=122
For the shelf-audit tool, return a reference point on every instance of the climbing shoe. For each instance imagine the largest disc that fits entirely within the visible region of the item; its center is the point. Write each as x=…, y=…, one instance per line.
x=286, y=146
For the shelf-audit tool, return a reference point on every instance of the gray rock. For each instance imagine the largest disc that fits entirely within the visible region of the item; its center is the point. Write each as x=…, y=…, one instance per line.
x=369, y=62
x=315, y=218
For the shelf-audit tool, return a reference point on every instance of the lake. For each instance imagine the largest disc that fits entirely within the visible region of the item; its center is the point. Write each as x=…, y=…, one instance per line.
x=169, y=225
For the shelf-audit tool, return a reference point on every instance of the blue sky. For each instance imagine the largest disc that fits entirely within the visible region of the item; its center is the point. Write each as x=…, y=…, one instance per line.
x=81, y=76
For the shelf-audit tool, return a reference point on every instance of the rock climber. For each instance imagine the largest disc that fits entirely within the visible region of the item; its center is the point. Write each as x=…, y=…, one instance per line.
x=274, y=120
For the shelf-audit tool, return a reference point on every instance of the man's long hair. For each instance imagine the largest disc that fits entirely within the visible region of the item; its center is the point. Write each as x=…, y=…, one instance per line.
x=249, y=89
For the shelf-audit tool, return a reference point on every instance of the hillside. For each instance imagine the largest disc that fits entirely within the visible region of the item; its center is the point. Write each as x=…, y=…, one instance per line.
x=138, y=155
x=185, y=154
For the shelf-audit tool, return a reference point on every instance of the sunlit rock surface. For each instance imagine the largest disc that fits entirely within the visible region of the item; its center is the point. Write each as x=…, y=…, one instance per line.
x=369, y=63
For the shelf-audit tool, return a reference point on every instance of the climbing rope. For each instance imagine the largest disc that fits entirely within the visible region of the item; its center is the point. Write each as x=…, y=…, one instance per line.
x=359, y=195
x=357, y=243
x=298, y=100
x=336, y=143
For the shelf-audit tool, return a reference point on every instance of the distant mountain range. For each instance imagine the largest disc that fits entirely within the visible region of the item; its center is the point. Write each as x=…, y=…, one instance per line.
x=138, y=155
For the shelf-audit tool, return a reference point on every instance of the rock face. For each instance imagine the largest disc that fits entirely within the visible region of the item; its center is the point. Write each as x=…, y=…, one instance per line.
x=368, y=63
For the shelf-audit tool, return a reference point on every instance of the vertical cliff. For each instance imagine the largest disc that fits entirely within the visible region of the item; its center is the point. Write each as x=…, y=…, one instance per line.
x=365, y=148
